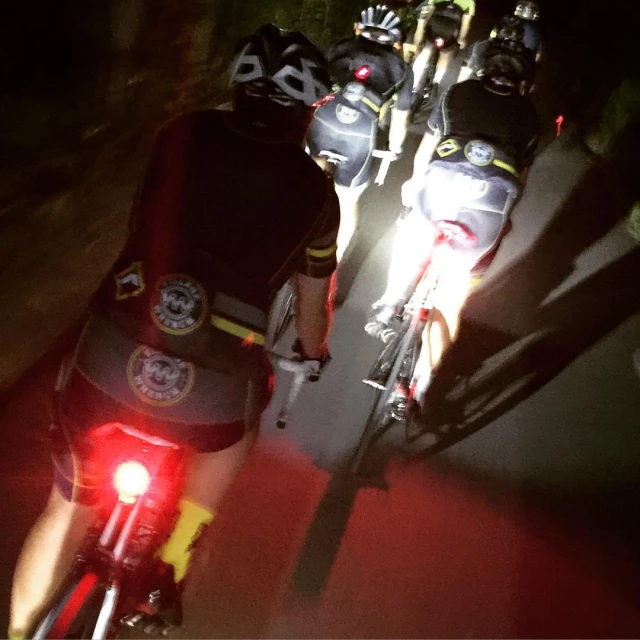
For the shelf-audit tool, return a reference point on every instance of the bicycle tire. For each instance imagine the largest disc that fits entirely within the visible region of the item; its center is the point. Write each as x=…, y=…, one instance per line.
x=378, y=420
x=75, y=612
x=282, y=313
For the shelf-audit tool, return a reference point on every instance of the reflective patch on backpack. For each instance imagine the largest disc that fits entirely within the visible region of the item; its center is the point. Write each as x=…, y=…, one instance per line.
x=347, y=115
x=479, y=153
x=157, y=378
x=130, y=282
x=447, y=147
x=178, y=304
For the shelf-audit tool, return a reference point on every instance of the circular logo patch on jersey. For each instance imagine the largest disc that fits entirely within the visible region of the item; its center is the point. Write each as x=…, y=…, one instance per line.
x=479, y=153
x=347, y=115
x=157, y=378
x=178, y=305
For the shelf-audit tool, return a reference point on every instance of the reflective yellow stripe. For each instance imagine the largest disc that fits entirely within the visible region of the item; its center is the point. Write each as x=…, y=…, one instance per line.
x=237, y=330
x=505, y=166
x=370, y=104
x=322, y=253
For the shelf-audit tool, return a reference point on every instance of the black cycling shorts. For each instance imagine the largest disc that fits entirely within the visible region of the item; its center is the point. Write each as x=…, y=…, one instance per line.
x=443, y=26
x=110, y=378
x=487, y=224
x=342, y=129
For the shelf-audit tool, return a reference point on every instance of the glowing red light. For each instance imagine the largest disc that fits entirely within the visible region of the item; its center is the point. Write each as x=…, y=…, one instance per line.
x=131, y=480
x=324, y=100
x=362, y=73
x=559, y=122
x=439, y=42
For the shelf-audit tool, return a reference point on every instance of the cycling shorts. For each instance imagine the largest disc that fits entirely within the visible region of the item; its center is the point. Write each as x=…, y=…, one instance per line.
x=340, y=128
x=486, y=217
x=111, y=378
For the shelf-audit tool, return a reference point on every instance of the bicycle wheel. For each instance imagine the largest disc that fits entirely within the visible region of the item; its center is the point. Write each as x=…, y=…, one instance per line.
x=402, y=361
x=281, y=315
x=76, y=611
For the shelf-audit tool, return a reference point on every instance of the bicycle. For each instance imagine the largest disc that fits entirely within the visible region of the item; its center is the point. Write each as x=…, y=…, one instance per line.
x=144, y=481
x=283, y=309
x=393, y=375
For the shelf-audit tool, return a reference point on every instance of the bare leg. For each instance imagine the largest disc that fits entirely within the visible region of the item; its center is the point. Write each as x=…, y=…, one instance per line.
x=45, y=559
x=348, y=197
x=443, y=64
x=452, y=292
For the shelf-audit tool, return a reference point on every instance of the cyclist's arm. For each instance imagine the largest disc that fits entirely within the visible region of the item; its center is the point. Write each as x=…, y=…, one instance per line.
x=467, y=18
x=312, y=284
x=400, y=114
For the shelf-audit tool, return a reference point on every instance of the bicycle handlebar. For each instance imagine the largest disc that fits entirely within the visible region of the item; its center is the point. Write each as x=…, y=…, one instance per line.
x=303, y=371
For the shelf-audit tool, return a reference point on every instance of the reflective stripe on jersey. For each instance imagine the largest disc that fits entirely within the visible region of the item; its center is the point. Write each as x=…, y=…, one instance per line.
x=251, y=337
x=505, y=166
x=329, y=252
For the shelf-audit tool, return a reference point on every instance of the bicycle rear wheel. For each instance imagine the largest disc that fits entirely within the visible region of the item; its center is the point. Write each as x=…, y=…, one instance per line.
x=75, y=612
x=282, y=313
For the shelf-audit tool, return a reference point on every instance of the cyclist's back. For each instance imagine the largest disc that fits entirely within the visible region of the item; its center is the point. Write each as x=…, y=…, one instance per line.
x=389, y=73
x=234, y=216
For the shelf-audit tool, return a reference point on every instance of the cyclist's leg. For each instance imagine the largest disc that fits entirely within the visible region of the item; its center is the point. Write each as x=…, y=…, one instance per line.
x=51, y=545
x=349, y=198
x=442, y=330
x=446, y=57
x=46, y=557
x=412, y=244
x=211, y=475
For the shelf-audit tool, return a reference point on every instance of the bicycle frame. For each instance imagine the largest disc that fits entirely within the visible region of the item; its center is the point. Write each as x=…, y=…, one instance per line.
x=126, y=534
x=398, y=358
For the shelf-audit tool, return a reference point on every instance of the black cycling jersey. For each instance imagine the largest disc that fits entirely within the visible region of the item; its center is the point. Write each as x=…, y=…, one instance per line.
x=532, y=36
x=469, y=109
x=222, y=221
x=390, y=74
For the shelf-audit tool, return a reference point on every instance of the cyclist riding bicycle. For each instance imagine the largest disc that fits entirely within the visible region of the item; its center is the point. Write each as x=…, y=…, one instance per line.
x=528, y=12
x=231, y=207
x=443, y=17
x=370, y=79
x=471, y=170
x=507, y=37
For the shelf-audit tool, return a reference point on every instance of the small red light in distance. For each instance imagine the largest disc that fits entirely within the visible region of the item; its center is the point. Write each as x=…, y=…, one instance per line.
x=439, y=43
x=362, y=73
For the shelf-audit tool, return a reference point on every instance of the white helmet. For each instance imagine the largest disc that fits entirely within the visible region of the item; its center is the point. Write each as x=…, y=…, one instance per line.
x=527, y=10
x=380, y=24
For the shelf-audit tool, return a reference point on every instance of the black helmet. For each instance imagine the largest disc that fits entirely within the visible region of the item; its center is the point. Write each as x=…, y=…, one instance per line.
x=510, y=29
x=380, y=24
x=504, y=72
x=285, y=65
x=527, y=10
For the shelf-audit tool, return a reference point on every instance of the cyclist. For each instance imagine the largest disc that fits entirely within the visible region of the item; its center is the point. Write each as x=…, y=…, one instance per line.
x=369, y=78
x=471, y=169
x=506, y=37
x=529, y=13
x=444, y=18
x=230, y=208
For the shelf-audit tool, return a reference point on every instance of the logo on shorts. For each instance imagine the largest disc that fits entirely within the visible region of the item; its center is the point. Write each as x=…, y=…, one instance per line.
x=158, y=378
x=479, y=153
x=447, y=147
x=178, y=304
x=347, y=115
x=130, y=282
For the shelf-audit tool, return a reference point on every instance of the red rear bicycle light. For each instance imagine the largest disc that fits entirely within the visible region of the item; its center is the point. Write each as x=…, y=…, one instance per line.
x=362, y=73
x=439, y=42
x=131, y=480
x=323, y=100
